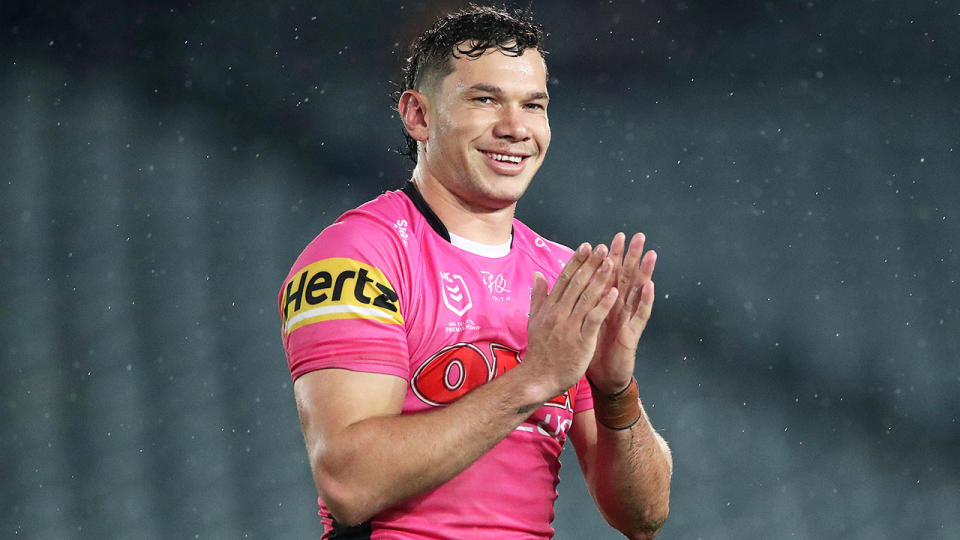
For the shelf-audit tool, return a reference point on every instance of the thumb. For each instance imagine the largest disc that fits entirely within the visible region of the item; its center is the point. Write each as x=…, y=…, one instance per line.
x=539, y=293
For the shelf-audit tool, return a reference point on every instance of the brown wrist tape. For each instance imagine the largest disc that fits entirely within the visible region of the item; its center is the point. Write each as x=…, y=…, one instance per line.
x=617, y=411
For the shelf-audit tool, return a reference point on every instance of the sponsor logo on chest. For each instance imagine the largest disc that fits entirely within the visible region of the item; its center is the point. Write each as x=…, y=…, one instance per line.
x=453, y=371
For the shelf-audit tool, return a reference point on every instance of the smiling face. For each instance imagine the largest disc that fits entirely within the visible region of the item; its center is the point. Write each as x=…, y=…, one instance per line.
x=488, y=131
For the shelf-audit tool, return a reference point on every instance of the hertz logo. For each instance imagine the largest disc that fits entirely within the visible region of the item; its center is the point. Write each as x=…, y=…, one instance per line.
x=338, y=288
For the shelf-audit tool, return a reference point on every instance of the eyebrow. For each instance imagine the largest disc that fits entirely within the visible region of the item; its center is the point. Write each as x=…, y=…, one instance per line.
x=481, y=87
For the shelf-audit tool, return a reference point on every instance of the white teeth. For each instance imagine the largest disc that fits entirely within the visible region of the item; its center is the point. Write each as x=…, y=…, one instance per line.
x=502, y=157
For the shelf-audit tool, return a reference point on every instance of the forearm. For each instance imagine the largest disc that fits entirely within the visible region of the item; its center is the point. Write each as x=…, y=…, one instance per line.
x=378, y=462
x=632, y=469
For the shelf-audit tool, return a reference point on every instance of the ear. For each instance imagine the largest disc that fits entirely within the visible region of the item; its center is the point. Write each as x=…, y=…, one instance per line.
x=414, y=113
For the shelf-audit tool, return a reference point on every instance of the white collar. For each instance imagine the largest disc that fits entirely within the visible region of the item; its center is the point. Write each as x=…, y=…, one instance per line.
x=484, y=250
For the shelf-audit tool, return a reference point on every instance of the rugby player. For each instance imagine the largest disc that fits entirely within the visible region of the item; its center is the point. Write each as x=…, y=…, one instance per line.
x=442, y=351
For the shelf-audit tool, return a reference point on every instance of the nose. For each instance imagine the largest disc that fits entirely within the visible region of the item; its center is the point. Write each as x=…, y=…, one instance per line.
x=511, y=125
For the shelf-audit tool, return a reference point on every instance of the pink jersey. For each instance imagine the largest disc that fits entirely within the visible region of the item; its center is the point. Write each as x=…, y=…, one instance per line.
x=383, y=290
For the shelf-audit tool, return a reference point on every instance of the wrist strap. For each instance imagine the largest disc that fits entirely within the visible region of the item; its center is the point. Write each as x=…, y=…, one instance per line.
x=617, y=411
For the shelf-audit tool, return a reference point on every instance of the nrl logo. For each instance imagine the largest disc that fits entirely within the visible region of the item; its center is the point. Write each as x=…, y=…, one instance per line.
x=455, y=294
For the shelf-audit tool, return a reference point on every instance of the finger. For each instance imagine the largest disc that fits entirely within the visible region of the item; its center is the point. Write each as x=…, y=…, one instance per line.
x=617, y=247
x=633, y=300
x=632, y=261
x=582, y=279
x=539, y=293
x=595, y=317
x=599, y=284
x=647, y=266
x=645, y=303
x=570, y=269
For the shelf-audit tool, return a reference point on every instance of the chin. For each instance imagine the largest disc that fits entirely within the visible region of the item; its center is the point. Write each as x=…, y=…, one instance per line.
x=506, y=198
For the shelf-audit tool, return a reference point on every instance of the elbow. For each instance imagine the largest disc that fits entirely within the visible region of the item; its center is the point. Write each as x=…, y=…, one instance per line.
x=646, y=524
x=348, y=503
x=642, y=535
x=647, y=528
x=343, y=505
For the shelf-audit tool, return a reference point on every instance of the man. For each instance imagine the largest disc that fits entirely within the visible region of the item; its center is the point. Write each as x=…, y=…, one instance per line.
x=434, y=394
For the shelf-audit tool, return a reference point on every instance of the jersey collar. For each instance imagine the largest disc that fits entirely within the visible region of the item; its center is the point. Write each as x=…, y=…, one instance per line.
x=421, y=204
x=414, y=194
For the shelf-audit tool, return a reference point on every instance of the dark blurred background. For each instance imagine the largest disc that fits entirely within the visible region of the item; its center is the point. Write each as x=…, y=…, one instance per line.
x=795, y=164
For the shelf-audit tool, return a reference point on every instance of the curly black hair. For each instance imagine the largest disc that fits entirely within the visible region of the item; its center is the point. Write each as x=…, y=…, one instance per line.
x=471, y=32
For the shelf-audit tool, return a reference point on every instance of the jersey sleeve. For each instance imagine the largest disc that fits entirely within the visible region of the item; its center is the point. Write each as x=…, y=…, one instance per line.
x=343, y=303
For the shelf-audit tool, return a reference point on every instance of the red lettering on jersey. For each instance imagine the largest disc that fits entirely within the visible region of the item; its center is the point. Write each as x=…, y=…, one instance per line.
x=450, y=374
x=455, y=370
x=504, y=359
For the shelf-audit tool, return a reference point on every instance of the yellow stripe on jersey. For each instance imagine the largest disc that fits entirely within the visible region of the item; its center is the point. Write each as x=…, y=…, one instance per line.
x=338, y=288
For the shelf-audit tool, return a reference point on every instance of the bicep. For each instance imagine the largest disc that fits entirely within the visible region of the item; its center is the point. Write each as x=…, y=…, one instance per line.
x=330, y=400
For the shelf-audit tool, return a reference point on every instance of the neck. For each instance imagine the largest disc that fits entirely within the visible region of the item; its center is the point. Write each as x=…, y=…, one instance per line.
x=462, y=217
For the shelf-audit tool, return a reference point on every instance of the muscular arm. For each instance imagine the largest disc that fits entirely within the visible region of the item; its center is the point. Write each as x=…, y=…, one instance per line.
x=627, y=473
x=366, y=457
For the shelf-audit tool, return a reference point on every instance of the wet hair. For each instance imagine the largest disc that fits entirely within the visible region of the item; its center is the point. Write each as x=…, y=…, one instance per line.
x=469, y=32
